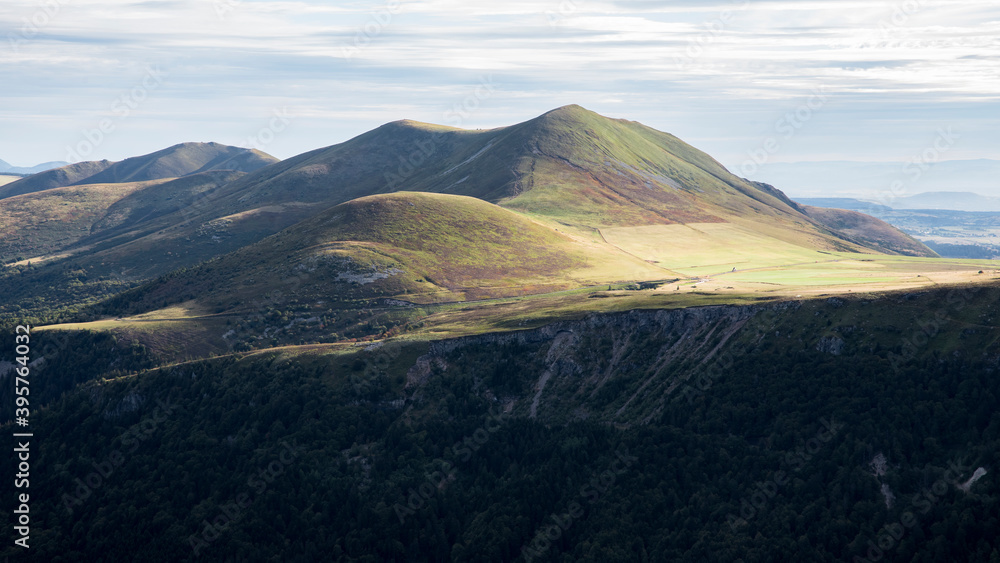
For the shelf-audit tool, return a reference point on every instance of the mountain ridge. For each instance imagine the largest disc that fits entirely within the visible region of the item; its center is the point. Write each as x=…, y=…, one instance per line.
x=7, y=168
x=568, y=165
x=178, y=160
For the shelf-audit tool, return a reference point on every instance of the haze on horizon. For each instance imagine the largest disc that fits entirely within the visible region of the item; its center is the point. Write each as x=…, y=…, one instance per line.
x=751, y=83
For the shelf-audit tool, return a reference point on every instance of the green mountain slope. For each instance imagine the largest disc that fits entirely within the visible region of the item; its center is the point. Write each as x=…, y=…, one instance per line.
x=179, y=160
x=71, y=220
x=182, y=160
x=623, y=190
x=569, y=166
x=868, y=231
x=417, y=247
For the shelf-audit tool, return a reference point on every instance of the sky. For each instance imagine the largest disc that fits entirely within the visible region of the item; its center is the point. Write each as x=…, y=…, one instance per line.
x=752, y=82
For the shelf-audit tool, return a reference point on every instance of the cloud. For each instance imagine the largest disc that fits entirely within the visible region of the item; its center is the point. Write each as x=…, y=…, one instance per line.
x=717, y=71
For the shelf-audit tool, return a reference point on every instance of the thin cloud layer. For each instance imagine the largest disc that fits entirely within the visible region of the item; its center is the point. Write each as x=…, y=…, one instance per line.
x=722, y=75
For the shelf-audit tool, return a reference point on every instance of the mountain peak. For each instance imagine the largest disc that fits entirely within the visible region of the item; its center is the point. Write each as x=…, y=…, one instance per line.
x=182, y=159
x=572, y=113
x=570, y=109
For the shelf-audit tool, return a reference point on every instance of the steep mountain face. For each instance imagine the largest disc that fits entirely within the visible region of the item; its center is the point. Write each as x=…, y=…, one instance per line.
x=173, y=162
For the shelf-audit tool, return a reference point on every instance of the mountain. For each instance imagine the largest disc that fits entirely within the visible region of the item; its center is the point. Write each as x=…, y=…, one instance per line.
x=416, y=246
x=574, y=169
x=868, y=231
x=56, y=178
x=571, y=339
x=638, y=205
x=182, y=160
x=78, y=218
x=570, y=164
x=881, y=182
x=942, y=201
x=951, y=201
x=173, y=162
x=6, y=168
x=844, y=203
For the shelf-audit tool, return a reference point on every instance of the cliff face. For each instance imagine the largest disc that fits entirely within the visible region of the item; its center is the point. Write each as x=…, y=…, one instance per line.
x=627, y=368
x=619, y=368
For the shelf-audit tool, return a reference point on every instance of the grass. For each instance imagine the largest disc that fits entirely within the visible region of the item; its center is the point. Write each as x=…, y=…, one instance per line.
x=167, y=329
x=474, y=267
x=578, y=200
x=4, y=180
x=702, y=249
x=47, y=222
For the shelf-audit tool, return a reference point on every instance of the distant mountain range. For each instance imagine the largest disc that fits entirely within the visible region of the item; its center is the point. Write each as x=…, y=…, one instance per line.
x=7, y=168
x=952, y=201
x=884, y=182
x=947, y=201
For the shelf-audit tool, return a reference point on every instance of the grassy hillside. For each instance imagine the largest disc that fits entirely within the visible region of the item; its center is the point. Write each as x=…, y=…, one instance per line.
x=55, y=178
x=569, y=167
x=868, y=231
x=183, y=159
x=173, y=162
x=419, y=247
x=45, y=223
x=61, y=221
x=641, y=204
